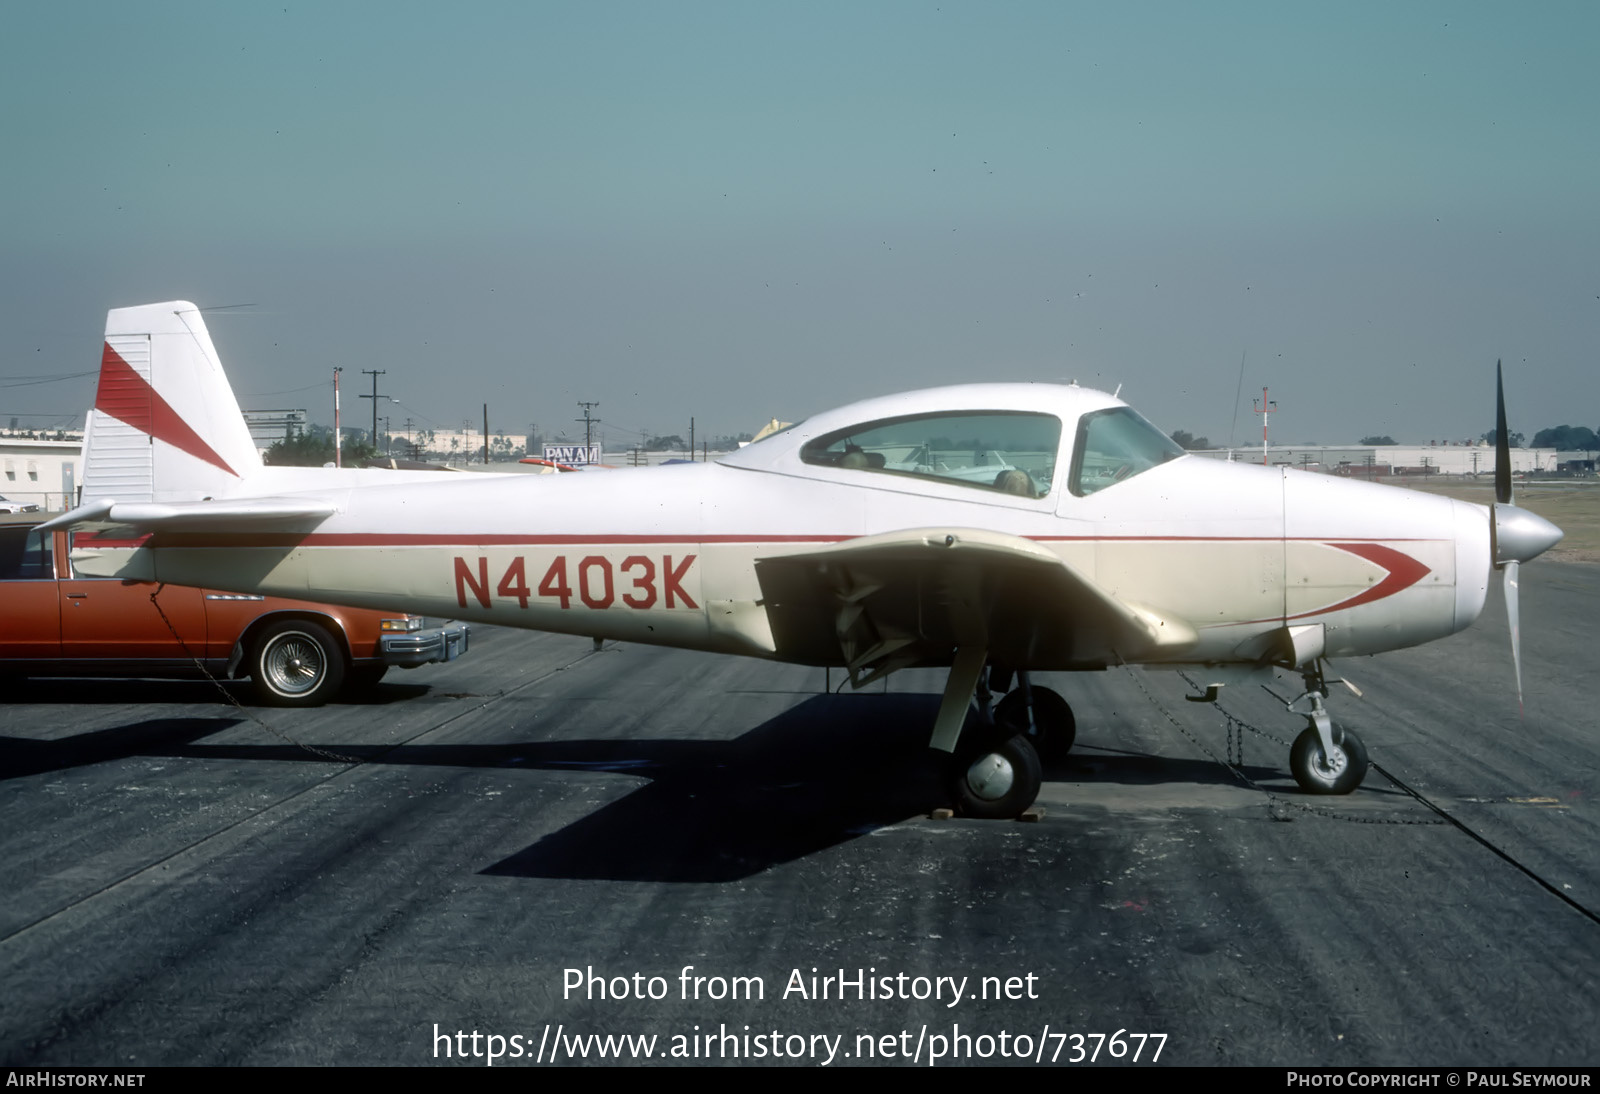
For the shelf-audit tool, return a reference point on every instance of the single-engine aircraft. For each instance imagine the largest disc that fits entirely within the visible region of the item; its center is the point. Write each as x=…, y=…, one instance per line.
x=999, y=529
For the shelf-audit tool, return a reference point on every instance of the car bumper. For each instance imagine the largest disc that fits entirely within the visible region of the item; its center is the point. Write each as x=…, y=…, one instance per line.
x=423, y=647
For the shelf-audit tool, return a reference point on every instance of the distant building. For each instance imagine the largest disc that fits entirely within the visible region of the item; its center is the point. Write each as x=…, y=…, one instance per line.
x=1392, y=461
x=268, y=427
x=43, y=472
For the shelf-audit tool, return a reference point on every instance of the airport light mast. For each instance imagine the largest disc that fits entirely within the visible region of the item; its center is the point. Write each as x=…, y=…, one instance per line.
x=336, y=452
x=1264, y=407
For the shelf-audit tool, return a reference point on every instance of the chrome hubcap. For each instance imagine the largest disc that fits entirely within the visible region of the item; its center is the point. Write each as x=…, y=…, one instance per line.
x=293, y=664
x=1330, y=767
x=991, y=777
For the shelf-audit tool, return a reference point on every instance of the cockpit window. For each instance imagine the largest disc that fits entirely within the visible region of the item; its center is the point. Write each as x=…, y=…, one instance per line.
x=1116, y=444
x=1011, y=453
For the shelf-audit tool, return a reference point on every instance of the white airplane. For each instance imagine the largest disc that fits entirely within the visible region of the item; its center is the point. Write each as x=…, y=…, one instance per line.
x=999, y=529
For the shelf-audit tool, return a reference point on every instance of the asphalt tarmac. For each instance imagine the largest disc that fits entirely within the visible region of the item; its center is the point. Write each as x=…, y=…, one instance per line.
x=543, y=846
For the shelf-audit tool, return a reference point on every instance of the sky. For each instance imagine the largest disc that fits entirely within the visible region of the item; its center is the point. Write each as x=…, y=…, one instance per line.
x=740, y=211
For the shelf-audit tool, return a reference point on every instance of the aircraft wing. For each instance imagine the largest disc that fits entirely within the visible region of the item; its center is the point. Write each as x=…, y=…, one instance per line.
x=889, y=601
x=147, y=516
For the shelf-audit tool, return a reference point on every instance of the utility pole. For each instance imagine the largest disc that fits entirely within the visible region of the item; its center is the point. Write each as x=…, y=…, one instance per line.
x=486, y=434
x=374, y=373
x=588, y=422
x=691, y=440
x=1263, y=407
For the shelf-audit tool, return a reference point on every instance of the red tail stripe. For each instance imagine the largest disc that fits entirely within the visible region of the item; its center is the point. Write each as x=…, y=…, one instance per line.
x=129, y=398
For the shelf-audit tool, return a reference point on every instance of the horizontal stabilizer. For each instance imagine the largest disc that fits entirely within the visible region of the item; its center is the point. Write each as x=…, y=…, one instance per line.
x=196, y=515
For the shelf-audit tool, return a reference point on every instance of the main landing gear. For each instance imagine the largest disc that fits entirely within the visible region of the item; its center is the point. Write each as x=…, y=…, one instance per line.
x=1326, y=758
x=995, y=769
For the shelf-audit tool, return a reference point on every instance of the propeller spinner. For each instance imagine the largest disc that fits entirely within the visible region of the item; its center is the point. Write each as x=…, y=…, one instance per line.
x=1517, y=535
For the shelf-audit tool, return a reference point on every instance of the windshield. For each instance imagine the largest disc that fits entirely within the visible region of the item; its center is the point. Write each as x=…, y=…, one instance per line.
x=1013, y=453
x=1116, y=444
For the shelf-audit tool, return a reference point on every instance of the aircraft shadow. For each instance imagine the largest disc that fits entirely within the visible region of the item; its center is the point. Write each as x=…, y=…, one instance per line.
x=819, y=774
x=114, y=691
x=824, y=772
x=21, y=756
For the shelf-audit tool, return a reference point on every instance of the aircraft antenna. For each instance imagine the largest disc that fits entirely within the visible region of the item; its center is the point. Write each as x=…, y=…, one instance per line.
x=1237, y=389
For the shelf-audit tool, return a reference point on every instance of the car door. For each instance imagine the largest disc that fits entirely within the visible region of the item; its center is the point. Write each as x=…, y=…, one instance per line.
x=108, y=618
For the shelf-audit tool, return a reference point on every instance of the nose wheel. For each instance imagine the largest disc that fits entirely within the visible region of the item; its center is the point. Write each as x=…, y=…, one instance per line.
x=1322, y=771
x=1325, y=758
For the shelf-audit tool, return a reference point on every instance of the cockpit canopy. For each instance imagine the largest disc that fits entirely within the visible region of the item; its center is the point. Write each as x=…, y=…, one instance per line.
x=1005, y=438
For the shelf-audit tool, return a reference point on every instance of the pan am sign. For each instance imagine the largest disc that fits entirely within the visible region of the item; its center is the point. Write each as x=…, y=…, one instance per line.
x=573, y=455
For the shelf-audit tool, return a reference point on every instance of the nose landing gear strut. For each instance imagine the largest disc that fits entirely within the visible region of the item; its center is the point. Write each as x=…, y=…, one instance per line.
x=1326, y=758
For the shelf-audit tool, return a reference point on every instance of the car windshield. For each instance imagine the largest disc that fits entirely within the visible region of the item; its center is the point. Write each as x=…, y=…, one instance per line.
x=1116, y=444
x=1013, y=453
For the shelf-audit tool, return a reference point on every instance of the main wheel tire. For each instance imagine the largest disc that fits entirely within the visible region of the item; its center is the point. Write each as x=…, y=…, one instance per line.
x=1053, y=721
x=1319, y=774
x=996, y=779
x=296, y=663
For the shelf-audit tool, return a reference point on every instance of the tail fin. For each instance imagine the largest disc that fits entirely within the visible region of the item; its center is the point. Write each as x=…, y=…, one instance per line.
x=165, y=425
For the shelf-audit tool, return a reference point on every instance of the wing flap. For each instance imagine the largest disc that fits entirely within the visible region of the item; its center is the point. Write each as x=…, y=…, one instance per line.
x=883, y=602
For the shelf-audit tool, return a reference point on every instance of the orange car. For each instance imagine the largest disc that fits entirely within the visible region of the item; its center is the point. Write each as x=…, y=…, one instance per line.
x=56, y=623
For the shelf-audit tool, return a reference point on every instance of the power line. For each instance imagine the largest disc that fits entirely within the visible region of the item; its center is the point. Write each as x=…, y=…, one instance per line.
x=33, y=381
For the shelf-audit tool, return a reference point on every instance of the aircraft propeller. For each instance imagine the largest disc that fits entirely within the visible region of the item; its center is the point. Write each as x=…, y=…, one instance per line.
x=1516, y=535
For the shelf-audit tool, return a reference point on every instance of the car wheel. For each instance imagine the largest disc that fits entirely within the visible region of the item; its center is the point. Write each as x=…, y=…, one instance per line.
x=296, y=663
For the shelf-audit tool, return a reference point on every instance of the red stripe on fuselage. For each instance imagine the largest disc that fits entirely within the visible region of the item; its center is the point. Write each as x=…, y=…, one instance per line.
x=129, y=398
x=1403, y=572
x=515, y=539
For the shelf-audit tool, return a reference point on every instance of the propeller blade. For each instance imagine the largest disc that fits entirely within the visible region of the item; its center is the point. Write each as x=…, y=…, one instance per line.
x=1502, y=442
x=1509, y=583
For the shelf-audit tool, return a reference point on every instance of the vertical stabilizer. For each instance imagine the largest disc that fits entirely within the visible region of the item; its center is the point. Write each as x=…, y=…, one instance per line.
x=165, y=425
